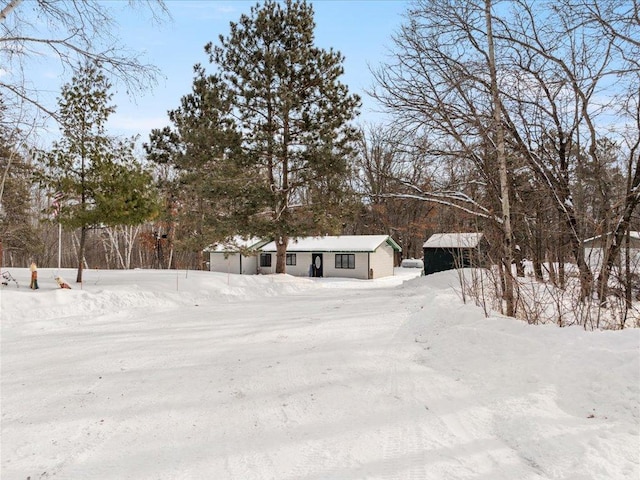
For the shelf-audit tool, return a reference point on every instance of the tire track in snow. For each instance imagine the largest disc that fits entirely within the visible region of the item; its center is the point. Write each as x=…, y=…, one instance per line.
x=450, y=435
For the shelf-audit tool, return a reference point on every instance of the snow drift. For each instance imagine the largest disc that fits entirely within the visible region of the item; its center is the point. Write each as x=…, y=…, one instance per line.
x=183, y=375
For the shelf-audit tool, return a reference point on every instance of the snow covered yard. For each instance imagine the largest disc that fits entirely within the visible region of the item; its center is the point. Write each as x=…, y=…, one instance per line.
x=175, y=375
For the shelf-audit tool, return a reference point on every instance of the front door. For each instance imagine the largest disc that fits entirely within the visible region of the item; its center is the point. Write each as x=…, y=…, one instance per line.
x=316, y=264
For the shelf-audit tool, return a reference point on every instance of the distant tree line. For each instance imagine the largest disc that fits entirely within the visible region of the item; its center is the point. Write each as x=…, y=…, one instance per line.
x=519, y=119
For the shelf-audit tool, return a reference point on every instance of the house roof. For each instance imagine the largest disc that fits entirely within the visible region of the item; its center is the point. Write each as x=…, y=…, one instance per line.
x=453, y=240
x=342, y=243
x=598, y=238
x=236, y=243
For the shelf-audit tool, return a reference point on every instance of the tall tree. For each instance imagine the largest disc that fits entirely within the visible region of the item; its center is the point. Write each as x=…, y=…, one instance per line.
x=294, y=115
x=565, y=68
x=101, y=180
x=570, y=72
x=71, y=33
x=205, y=180
x=440, y=84
x=617, y=24
x=498, y=139
x=283, y=117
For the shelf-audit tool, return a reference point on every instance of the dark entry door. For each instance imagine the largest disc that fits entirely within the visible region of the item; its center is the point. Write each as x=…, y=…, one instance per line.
x=316, y=264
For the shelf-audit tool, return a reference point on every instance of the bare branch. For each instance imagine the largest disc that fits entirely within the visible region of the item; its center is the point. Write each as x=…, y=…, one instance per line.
x=74, y=32
x=8, y=9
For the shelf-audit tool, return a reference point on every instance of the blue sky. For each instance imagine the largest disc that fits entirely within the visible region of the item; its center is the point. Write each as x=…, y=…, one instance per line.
x=360, y=29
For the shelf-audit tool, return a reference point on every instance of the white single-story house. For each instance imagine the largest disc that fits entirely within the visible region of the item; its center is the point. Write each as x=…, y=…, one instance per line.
x=238, y=255
x=350, y=256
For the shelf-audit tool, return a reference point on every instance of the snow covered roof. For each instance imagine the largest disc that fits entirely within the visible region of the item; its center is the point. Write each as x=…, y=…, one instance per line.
x=342, y=243
x=598, y=238
x=236, y=243
x=453, y=240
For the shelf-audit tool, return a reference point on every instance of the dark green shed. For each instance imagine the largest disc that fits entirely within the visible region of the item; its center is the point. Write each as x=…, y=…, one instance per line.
x=447, y=251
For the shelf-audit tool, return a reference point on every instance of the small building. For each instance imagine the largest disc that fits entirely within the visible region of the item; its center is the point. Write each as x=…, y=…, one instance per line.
x=594, y=250
x=238, y=255
x=448, y=251
x=348, y=256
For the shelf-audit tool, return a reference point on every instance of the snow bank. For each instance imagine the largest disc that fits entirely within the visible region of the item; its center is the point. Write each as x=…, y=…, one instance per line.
x=182, y=375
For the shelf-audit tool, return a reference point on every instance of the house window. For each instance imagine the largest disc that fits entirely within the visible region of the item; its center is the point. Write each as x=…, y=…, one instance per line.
x=345, y=260
x=291, y=259
x=265, y=259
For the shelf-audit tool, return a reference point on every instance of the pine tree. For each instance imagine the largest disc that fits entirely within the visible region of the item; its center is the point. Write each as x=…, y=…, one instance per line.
x=100, y=179
x=294, y=114
x=203, y=151
x=279, y=141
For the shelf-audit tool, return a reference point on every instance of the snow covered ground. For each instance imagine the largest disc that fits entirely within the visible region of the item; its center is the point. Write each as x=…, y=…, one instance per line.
x=175, y=375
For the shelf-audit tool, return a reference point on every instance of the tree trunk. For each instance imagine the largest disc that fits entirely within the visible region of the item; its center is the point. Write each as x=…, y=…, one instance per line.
x=560, y=263
x=627, y=274
x=201, y=260
x=281, y=254
x=519, y=260
x=586, y=276
x=560, y=252
x=130, y=236
x=538, y=249
x=83, y=237
x=507, y=255
x=8, y=9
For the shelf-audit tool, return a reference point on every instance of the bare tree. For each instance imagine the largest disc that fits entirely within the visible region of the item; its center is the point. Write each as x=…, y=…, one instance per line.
x=438, y=85
x=574, y=68
x=619, y=23
x=557, y=72
x=388, y=160
x=73, y=31
x=498, y=132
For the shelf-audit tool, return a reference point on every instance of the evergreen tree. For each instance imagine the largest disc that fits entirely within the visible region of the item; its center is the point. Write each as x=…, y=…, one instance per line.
x=100, y=179
x=279, y=141
x=19, y=239
x=203, y=150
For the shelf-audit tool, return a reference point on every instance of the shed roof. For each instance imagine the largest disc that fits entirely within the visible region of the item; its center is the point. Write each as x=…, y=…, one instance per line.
x=599, y=239
x=453, y=240
x=342, y=243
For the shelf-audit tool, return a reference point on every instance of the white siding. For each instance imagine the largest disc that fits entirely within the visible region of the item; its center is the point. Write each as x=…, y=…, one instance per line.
x=303, y=261
x=301, y=268
x=249, y=265
x=361, y=263
x=594, y=256
x=218, y=262
x=382, y=261
x=231, y=264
